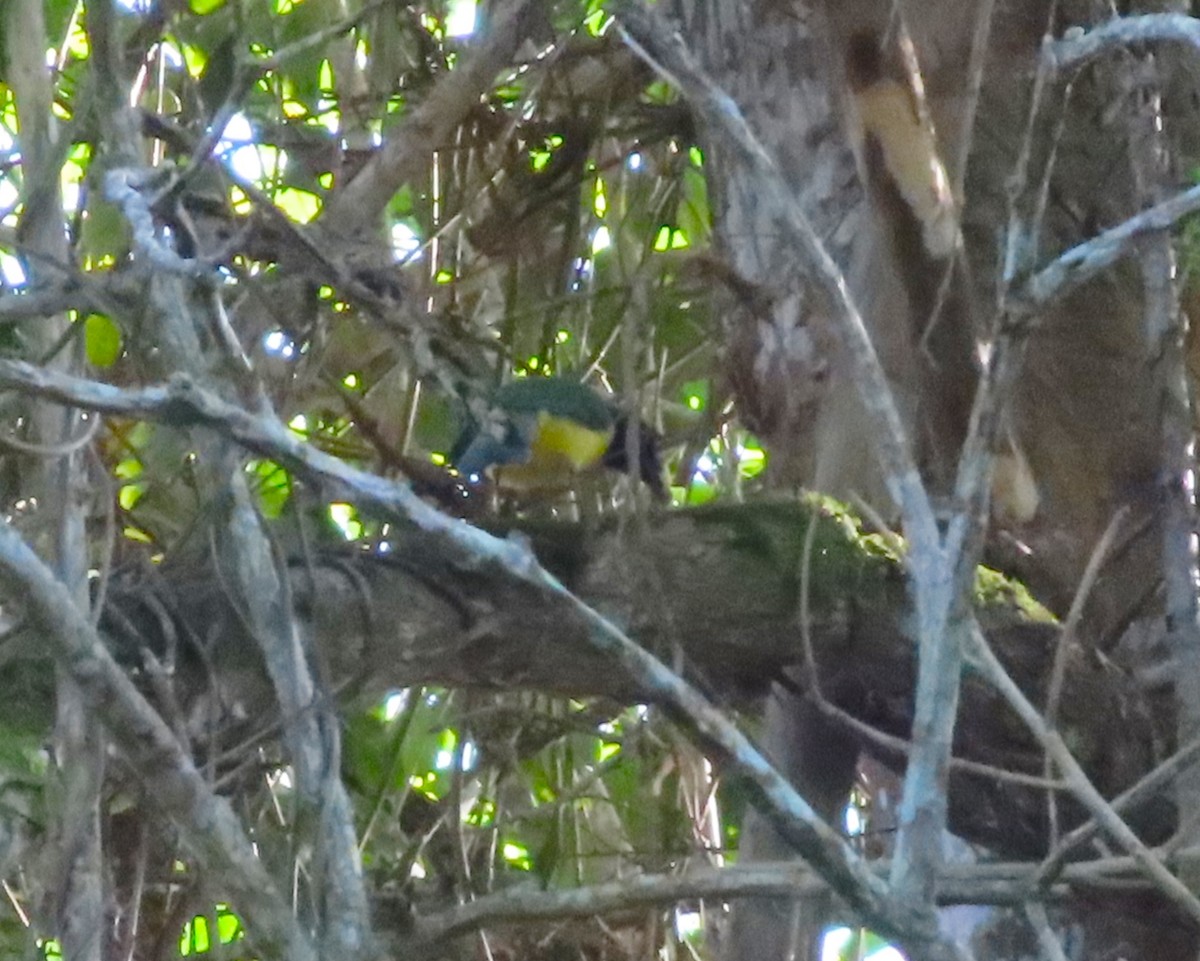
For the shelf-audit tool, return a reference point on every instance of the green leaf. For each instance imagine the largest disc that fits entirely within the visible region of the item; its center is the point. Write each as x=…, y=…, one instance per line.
x=58, y=15
x=105, y=232
x=274, y=487
x=219, y=70
x=401, y=204
x=300, y=205
x=204, y=7
x=696, y=394
x=371, y=743
x=693, y=210
x=103, y=340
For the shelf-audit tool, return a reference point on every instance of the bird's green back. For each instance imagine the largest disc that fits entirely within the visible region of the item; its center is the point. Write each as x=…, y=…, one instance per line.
x=558, y=397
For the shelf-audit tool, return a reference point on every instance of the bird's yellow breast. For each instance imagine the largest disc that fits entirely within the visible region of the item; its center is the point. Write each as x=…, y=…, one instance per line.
x=558, y=437
x=560, y=449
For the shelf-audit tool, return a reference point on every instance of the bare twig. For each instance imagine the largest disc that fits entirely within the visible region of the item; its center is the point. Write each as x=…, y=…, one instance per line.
x=1018, y=247
x=980, y=40
x=1000, y=374
x=83, y=292
x=1146, y=788
x=108, y=496
x=1083, y=262
x=1052, y=949
x=812, y=675
x=965, y=765
x=58, y=449
x=1066, y=639
x=1067, y=636
x=1081, y=787
x=1078, y=48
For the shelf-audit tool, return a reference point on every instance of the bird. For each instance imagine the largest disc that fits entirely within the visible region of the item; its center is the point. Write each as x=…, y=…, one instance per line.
x=540, y=433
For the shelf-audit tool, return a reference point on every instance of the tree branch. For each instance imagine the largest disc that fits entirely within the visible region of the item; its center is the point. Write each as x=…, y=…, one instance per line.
x=940, y=568
x=1083, y=262
x=1078, y=47
x=428, y=127
x=982, y=657
x=1150, y=785
x=667, y=55
x=207, y=822
x=183, y=403
x=79, y=750
x=985, y=884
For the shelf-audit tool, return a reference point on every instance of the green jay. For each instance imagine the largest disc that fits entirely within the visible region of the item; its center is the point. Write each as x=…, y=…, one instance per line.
x=540, y=432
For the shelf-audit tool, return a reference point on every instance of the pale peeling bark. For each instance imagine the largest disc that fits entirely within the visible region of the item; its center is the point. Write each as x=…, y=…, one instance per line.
x=782, y=67
x=789, y=385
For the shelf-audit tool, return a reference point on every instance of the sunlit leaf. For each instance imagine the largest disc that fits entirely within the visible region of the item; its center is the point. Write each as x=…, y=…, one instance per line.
x=517, y=855
x=692, y=211
x=105, y=232
x=102, y=339
x=129, y=495
x=274, y=487
x=695, y=394
x=300, y=205
x=219, y=70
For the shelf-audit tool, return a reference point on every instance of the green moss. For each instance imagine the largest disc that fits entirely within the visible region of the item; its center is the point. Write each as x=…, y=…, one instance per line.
x=993, y=588
x=850, y=524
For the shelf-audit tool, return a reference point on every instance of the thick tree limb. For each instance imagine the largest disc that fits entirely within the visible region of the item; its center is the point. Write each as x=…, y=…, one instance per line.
x=940, y=567
x=1153, y=164
x=74, y=830
x=183, y=403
